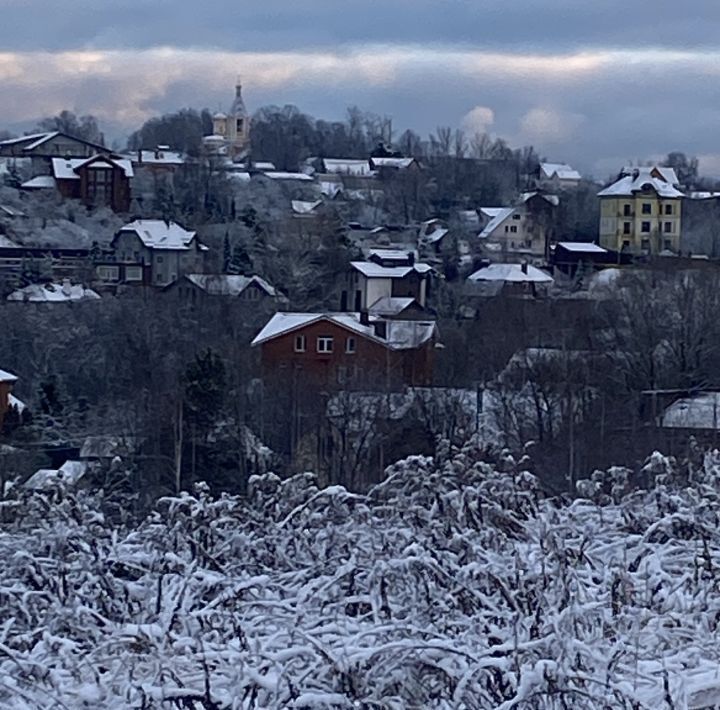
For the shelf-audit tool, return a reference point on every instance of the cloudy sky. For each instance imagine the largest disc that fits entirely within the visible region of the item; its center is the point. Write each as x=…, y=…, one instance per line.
x=593, y=82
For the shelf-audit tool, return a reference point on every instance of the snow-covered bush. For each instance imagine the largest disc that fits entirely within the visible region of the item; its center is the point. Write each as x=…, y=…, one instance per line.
x=452, y=584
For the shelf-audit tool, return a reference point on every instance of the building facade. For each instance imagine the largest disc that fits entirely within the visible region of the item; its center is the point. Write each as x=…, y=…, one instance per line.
x=641, y=214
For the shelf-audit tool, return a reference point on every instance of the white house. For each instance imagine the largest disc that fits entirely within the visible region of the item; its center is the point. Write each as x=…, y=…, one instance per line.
x=513, y=279
x=559, y=175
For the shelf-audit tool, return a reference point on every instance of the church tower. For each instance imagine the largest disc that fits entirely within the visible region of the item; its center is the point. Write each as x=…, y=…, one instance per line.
x=234, y=126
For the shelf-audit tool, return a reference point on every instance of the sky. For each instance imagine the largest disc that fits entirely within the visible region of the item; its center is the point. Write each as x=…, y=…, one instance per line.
x=595, y=83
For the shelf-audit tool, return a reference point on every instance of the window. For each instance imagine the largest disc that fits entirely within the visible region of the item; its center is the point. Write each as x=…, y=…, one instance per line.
x=513, y=229
x=626, y=227
x=240, y=125
x=350, y=345
x=108, y=273
x=300, y=344
x=507, y=229
x=645, y=245
x=159, y=259
x=667, y=227
x=645, y=227
x=99, y=185
x=324, y=344
x=627, y=210
x=528, y=243
x=647, y=208
x=516, y=216
x=668, y=244
x=668, y=209
x=626, y=244
x=133, y=273
x=251, y=293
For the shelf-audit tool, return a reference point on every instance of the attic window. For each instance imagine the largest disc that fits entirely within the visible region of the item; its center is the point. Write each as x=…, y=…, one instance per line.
x=350, y=345
x=324, y=344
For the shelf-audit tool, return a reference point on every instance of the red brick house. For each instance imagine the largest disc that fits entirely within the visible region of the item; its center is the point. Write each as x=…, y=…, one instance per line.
x=99, y=180
x=347, y=351
x=7, y=381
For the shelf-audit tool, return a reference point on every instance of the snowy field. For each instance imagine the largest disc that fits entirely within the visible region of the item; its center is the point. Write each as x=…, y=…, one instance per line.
x=450, y=585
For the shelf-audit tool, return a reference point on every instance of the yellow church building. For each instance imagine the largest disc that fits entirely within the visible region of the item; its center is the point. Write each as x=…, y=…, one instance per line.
x=641, y=213
x=231, y=131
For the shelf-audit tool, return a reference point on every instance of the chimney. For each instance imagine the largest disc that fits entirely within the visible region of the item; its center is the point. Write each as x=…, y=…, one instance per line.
x=524, y=267
x=364, y=317
x=411, y=258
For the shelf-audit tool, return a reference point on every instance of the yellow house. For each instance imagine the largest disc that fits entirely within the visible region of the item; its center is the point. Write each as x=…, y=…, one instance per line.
x=641, y=213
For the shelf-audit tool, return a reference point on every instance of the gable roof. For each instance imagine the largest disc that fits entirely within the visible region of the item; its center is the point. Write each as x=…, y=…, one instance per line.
x=399, y=163
x=6, y=376
x=500, y=216
x=371, y=270
x=158, y=234
x=511, y=273
x=562, y=170
x=35, y=140
x=554, y=200
x=304, y=207
x=641, y=181
x=701, y=411
x=228, y=284
x=66, y=168
x=400, y=335
x=660, y=171
x=390, y=305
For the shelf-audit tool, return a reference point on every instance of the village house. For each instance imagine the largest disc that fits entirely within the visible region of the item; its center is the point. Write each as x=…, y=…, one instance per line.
x=640, y=213
x=387, y=274
x=526, y=230
x=569, y=257
x=338, y=350
x=247, y=289
x=558, y=176
x=152, y=252
x=40, y=148
x=99, y=180
x=510, y=280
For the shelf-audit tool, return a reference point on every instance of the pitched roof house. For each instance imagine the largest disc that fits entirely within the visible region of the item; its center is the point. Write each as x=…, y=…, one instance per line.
x=347, y=349
x=49, y=144
x=559, y=175
x=252, y=289
x=99, y=180
x=510, y=279
x=161, y=250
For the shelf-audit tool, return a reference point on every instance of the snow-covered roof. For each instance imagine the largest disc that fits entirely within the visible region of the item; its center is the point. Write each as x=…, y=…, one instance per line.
x=554, y=200
x=584, y=247
x=12, y=211
x=6, y=376
x=159, y=234
x=664, y=173
x=400, y=335
x=70, y=472
x=492, y=211
x=391, y=254
x=630, y=184
x=228, y=284
x=703, y=195
x=53, y=293
x=562, y=170
x=502, y=214
x=39, y=182
x=66, y=169
x=6, y=243
x=374, y=271
x=399, y=163
x=511, y=273
x=348, y=166
x=24, y=139
x=283, y=175
x=16, y=403
x=161, y=156
x=263, y=165
x=699, y=412
x=435, y=236
x=304, y=207
x=390, y=305
x=331, y=189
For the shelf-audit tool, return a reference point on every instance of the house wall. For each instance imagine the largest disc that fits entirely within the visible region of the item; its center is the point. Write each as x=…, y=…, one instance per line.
x=528, y=238
x=5, y=388
x=118, y=198
x=622, y=223
x=371, y=365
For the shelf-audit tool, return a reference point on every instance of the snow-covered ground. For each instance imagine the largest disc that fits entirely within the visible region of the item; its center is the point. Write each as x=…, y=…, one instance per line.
x=450, y=585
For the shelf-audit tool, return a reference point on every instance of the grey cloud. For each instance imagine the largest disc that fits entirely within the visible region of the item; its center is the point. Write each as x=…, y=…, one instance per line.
x=244, y=25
